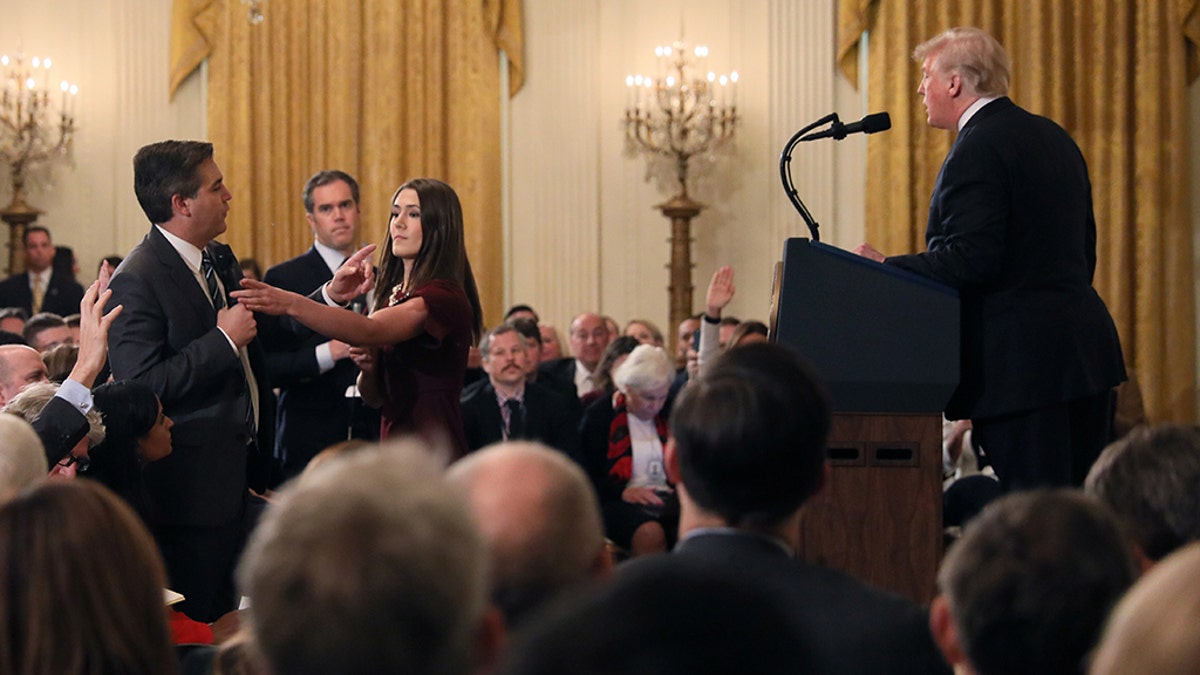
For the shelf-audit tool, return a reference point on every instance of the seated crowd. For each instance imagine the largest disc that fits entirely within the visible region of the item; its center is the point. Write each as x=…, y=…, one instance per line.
x=387, y=558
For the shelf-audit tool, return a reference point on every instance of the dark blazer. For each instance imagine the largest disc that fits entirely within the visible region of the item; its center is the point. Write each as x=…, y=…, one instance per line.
x=60, y=426
x=167, y=337
x=313, y=411
x=548, y=418
x=847, y=626
x=559, y=374
x=1011, y=227
x=62, y=296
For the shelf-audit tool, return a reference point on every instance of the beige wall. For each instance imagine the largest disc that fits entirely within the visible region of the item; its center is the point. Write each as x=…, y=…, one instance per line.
x=584, y=233
x=117, y=51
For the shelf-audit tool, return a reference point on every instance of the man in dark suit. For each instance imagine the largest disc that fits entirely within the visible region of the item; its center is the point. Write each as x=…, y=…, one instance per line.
x=180, y=334
x=507, y=407
x=747, y=450
x=318, y=401
x=588, y=338
x=1011, y=227
x=38, y=289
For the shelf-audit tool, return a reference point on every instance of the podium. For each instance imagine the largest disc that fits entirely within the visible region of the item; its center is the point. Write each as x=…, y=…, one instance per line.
x=886, y=343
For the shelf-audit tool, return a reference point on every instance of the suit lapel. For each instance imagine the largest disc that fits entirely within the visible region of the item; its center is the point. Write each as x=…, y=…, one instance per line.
x=181, y=276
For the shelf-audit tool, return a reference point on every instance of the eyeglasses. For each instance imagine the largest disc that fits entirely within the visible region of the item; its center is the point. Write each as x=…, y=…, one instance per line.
x=82, y=463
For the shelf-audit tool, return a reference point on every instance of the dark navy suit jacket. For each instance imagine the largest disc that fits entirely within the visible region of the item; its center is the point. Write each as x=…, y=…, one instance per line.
x=1011, y=227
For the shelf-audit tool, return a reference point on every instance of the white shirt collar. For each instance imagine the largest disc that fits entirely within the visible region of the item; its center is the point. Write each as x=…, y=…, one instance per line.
x=186, y=249
x=333, y=258
x=972, y=109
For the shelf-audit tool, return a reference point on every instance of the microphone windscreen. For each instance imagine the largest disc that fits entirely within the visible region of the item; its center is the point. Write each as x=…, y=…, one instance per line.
x=877, y=122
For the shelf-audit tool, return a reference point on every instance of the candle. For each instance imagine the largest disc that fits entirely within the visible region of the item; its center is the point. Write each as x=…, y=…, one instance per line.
x=733, y=80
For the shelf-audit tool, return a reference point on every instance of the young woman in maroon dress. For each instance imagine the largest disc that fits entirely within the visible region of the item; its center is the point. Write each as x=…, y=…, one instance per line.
x=412, y=349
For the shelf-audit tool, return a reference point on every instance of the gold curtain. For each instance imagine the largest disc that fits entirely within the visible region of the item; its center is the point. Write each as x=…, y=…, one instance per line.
x=384, y=90
x=1115, y=75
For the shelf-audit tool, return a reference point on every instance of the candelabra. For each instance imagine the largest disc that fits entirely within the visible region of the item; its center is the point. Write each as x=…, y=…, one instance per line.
x=254, y=11
x=30, y=133
x=679, y=114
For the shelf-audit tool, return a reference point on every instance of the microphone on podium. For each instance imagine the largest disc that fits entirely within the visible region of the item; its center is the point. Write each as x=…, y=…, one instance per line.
x=867, y=125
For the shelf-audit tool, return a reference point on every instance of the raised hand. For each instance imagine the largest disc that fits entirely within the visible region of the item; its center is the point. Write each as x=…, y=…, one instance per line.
x=93, y=329
x=355, y=277
x=720, y=291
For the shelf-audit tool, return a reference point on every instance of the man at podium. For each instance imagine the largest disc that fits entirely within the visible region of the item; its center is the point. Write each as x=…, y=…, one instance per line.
x=1011, y=227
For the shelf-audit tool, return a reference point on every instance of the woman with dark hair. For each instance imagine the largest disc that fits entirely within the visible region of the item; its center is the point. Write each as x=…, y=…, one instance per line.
x=137, y=432
x=412, y=349
x=83, y=586
x=602, y=378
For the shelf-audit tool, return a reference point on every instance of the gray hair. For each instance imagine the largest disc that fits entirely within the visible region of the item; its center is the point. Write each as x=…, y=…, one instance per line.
x=22, y=457
x=369, y=564
x=977, y=57
x=648, y=367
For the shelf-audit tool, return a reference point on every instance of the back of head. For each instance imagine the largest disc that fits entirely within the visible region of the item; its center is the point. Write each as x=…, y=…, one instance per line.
x=22, y=458
x=33, y=398
x=663, y=619
x=1149, y=479
x=83, y=585
x=977, y=57
x=750, y=435
x=129, y=410
x=369, y=564
x=162, y=170
x=538, y=512
x=1032, y=581
x=1156, y=626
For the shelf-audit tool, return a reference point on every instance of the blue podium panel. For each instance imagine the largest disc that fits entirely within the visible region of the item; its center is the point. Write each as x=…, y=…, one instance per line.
x=884, y=339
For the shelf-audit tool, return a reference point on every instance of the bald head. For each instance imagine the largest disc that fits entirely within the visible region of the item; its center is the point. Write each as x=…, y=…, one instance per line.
x=20, y=366
x=539, y=515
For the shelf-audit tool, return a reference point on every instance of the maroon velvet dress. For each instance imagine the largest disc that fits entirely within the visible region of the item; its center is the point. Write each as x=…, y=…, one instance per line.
x=422, y=377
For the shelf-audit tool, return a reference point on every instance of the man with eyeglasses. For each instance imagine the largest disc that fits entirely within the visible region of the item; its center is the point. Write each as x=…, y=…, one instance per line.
x=588, y=338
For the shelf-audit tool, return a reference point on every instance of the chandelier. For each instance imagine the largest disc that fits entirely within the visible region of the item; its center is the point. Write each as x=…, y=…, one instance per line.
x=31, y=130
x=682, y=112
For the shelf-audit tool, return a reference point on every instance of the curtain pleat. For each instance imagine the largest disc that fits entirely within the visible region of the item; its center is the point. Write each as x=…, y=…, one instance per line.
x=384, y=90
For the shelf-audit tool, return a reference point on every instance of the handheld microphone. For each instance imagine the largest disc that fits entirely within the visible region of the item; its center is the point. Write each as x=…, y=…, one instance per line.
x=867, y=125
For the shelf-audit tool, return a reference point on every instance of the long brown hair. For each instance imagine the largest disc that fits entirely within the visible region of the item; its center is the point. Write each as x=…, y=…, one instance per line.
x=82, y=586
x=443, y=253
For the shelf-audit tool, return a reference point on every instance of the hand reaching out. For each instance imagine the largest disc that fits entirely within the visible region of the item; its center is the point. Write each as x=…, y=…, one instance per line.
x=355, y=277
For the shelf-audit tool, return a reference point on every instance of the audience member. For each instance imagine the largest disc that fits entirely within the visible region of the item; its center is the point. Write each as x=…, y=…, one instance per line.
x=531, y=334
x=621, y=446
x=46, y=330
x=40, y=288
x=686, y=332
x=370, y=564
x=83, y=585
x=251, y=269
x=31, y=401
x=20, y=366
x=1149, y=479
x=507, y=407
x=65, y=263
x=614, y=355
x=12, y=319
x=748, y=450
x=521, y=312
x=318, y=401
x=645, y=332
x=537, y=512
x=745, y=333
x=664, y=621
x=60, y=361
x=588, y=339
x=22, y=459
x=716, y=330
x=1155, y=628
x=114, y=261
x=610, y=324
x=551, y=344
x=1030, y=585
x=136, y=432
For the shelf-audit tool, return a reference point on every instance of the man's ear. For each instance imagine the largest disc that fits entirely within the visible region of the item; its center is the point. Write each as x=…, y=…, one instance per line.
x=180, y=205
x=945, y=634
x=671, y=459
x=954, y=85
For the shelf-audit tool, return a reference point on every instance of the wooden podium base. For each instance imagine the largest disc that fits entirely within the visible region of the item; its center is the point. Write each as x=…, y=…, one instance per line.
x=879, y=516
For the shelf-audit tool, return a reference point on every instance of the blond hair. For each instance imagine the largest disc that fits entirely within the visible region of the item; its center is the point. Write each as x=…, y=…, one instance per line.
x=977, y=57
